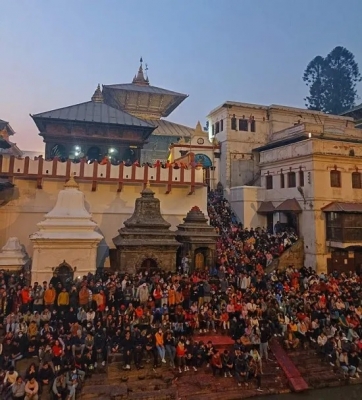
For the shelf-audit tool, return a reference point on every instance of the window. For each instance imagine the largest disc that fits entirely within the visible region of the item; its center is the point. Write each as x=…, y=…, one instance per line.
x=221, y=125
x=356, y=180
x=233, y=123
x=292, y=181
x=301, y=178
x=217, y=127
x=213, y=130
x=252, y=125
x=269, y=182
x=243, y=125
x=282, y=183
x=336, y=179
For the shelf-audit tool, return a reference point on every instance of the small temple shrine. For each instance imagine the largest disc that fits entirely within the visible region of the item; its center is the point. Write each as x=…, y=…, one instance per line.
x=67, y=239
x=146, y=242
x=198, y=240
x=121, y=122
x=13, y=257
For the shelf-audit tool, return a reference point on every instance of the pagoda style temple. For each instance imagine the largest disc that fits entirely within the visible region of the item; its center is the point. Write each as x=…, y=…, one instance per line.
x=121, y=122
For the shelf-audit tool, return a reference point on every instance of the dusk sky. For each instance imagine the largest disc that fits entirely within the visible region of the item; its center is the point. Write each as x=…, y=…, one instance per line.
x=54, y=53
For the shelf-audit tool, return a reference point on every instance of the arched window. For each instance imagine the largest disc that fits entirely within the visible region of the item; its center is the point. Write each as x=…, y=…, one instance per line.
x=204, y=160
x=59, y=151
x=94, y=153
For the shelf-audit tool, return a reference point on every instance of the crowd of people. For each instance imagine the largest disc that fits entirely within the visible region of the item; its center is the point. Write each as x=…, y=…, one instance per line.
x=70, y=330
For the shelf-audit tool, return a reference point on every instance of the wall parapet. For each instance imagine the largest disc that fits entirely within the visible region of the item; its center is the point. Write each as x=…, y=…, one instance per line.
x=171, y=176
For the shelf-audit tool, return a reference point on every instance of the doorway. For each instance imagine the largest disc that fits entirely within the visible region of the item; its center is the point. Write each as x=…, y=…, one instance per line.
x=148, y=265
x=269, y=222
x=340, y=262
x=65, y=273
x=200, y=259
x=292, y=221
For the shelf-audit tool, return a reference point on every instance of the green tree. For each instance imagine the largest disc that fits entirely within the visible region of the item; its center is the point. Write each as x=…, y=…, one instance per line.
x=332, y=82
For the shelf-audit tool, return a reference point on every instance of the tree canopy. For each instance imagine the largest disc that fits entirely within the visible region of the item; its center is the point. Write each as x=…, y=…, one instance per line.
x=332, y=82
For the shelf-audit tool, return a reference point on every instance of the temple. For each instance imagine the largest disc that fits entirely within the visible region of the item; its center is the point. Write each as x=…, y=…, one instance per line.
x=121, y=122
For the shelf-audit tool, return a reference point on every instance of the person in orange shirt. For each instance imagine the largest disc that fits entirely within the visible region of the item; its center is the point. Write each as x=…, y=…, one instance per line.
x=160, y=345
x=49, y=297
x=180, y=354
x=172, y=296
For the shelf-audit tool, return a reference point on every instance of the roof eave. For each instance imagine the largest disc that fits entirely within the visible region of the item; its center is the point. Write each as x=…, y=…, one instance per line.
x=38, y=120
x=174, y=105
x=280, y=143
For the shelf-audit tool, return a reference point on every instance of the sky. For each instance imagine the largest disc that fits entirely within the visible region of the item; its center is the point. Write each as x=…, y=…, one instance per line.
x=55, y=52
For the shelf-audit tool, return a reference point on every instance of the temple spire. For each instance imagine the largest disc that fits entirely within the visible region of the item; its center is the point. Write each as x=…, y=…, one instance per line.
x=71, y=183
x=98, y=96
x=140, y=79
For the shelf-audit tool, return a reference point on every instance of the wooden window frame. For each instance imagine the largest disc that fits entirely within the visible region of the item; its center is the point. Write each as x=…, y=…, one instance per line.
x=269, y=182
x=335, y=178
x=301, y=178
x=356, y=180
x=217, y=127
x=292, y=179
x=234, y=123
x=243, y=125
x=282, y=181
x=252, y=125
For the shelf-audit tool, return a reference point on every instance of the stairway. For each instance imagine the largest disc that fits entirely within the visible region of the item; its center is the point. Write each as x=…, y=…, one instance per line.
x=318, y=372
x=294, y=255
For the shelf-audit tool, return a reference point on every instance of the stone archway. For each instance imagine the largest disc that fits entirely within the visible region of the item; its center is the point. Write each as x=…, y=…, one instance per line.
x=149, y=265
x=64, y=272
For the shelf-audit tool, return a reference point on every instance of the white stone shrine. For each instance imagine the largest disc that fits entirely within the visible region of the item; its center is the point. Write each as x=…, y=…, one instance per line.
x=13, y=257
x=67, y=236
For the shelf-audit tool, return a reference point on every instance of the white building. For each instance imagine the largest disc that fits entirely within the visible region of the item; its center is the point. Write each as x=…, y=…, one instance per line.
x=299, y=167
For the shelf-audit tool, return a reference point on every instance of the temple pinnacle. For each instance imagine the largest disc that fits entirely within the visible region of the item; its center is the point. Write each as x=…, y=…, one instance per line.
x=98, y=96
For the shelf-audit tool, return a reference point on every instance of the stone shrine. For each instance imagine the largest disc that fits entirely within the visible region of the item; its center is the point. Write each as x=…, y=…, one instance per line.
x=146, y=242
x=67, y=238
x=13, y=257
x=198, y=240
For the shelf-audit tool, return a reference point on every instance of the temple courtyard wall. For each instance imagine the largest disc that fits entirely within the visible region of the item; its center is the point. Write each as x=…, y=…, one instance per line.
x=109, y=203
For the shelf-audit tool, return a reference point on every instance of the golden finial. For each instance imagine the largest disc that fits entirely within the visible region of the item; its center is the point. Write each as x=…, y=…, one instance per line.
x=198, y=128
x=148, y=185
x=139, y=78
x=71, y=183
x=97, y=96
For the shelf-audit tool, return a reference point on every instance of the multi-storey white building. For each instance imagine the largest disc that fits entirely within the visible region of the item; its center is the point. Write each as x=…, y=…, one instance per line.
x=297, y=167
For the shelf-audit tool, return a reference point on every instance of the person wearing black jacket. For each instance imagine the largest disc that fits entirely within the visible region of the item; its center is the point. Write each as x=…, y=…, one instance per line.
x=241, y=369
x=45, y=377
x=265, y=335
x=170, y=347
x=128, y=348
x=227, y=363
x=151, y=349
x=139, y=343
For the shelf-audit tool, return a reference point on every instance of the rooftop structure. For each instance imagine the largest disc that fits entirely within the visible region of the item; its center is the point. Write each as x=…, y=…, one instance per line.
x=141, y=99
x=121, y=123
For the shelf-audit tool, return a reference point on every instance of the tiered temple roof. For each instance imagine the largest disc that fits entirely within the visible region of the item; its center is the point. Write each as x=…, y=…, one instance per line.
x=141, y=99
x=95, y=111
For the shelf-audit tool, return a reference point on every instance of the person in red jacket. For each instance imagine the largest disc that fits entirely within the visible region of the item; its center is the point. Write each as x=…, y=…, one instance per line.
x=216, y=363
